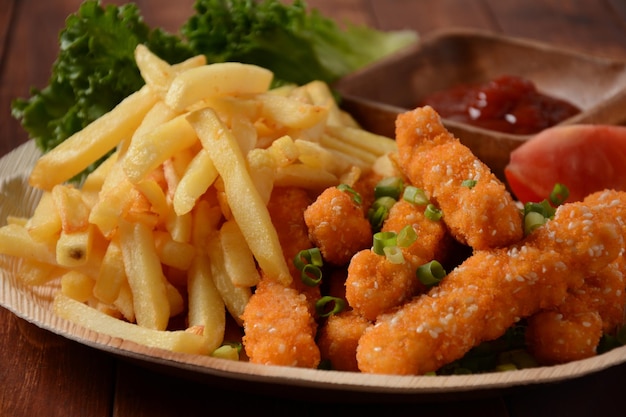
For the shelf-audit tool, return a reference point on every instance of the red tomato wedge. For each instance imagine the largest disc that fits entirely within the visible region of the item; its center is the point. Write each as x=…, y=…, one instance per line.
x=585, y=158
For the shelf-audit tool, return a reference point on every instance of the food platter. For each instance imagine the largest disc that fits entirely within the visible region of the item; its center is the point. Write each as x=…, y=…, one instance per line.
x=33, y=305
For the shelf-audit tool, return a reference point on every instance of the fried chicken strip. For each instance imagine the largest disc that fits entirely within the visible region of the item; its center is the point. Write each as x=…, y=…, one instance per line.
x=492, y=290
x=482, y=215
x=572, y=330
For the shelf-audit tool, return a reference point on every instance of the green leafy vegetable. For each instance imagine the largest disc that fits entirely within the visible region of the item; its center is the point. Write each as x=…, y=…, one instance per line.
x=94, y=71
x=296, y=44
x=95, y=68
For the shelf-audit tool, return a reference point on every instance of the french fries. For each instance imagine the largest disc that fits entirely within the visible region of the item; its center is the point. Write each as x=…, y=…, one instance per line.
x=175, y=221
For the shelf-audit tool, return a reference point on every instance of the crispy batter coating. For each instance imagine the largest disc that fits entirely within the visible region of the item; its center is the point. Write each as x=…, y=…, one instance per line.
x=572, y=330
x=286, y=207
x=279, y=322
x=338, y=338
x=279, y=328
x=337, y=226
x=433, y=240
x=492, y=290
x=374, y=284
x=482, y=216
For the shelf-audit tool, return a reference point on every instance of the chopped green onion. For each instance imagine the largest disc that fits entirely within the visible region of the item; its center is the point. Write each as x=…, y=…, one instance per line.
x=393, y=254
x=431, y=273
x=469, y=183
x=415, y=195
x=433, y=213
x=228, y=351
x=407, y=236
x=321, y=306
x=379, y=211
x=309, y=263
x=544, y=208
x=311, y=275
x=536, y=214
x=533, y=220
x=311, y=256
x=559, y=194
x=356, y=197
x=383, y=240
x=389, y=187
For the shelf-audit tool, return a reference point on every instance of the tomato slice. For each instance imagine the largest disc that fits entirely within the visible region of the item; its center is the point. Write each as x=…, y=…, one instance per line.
x=585, y=158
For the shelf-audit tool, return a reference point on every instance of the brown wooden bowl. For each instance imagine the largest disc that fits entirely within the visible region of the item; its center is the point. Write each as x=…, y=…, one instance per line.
x=376, y=94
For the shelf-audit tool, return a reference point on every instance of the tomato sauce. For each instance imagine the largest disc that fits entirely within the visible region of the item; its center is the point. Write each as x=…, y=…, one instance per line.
x=509, y=104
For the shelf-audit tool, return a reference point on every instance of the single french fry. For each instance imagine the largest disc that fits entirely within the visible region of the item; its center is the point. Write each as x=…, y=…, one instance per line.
x=244, y=201
x=73, y=211
x=92, y=319
x=173, y=253
x=291, y=113
x=94, y=182
x=124, y=302
x=238, y=259
x=198, y=177
x=262, y=168
x=157, y=73
x=175, y=298
x=32, y=272
x=235, y=298
x=16, y=241
x=91, y=143
x=362, y=139
x=77, y=286
x=284, y=151
x=111, y=274
x=300, y=175
x=74, y=249
x=221, y=79
x=145, y=153
x=145, y=275
x=45, y=223
x=205, y=304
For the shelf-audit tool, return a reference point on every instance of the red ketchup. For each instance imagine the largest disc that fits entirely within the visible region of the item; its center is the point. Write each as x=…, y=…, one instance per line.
x=507, y=104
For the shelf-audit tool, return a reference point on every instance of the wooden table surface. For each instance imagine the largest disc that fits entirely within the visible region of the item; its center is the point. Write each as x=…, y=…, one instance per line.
x=42, y=374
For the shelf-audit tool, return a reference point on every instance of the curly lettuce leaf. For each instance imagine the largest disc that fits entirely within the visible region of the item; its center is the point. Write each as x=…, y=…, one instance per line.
x=94, y=71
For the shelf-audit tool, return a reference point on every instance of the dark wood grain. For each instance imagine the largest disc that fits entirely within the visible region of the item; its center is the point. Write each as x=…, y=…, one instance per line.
x=45, y=375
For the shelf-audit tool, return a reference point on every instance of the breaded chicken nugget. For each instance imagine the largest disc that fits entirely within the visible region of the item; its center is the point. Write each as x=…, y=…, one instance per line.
x=374, y=284
x=572, y=330
x=279, y=328
x=337, y=225
x=338, y=338
x=491, y=290
x=477, y=208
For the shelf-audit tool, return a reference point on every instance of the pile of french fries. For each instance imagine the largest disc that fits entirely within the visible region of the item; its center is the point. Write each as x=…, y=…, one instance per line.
x=175, y=222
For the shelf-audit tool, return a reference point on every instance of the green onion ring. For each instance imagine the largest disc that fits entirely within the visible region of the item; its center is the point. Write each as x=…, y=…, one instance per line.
x=338, y=306
x=430, y=273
